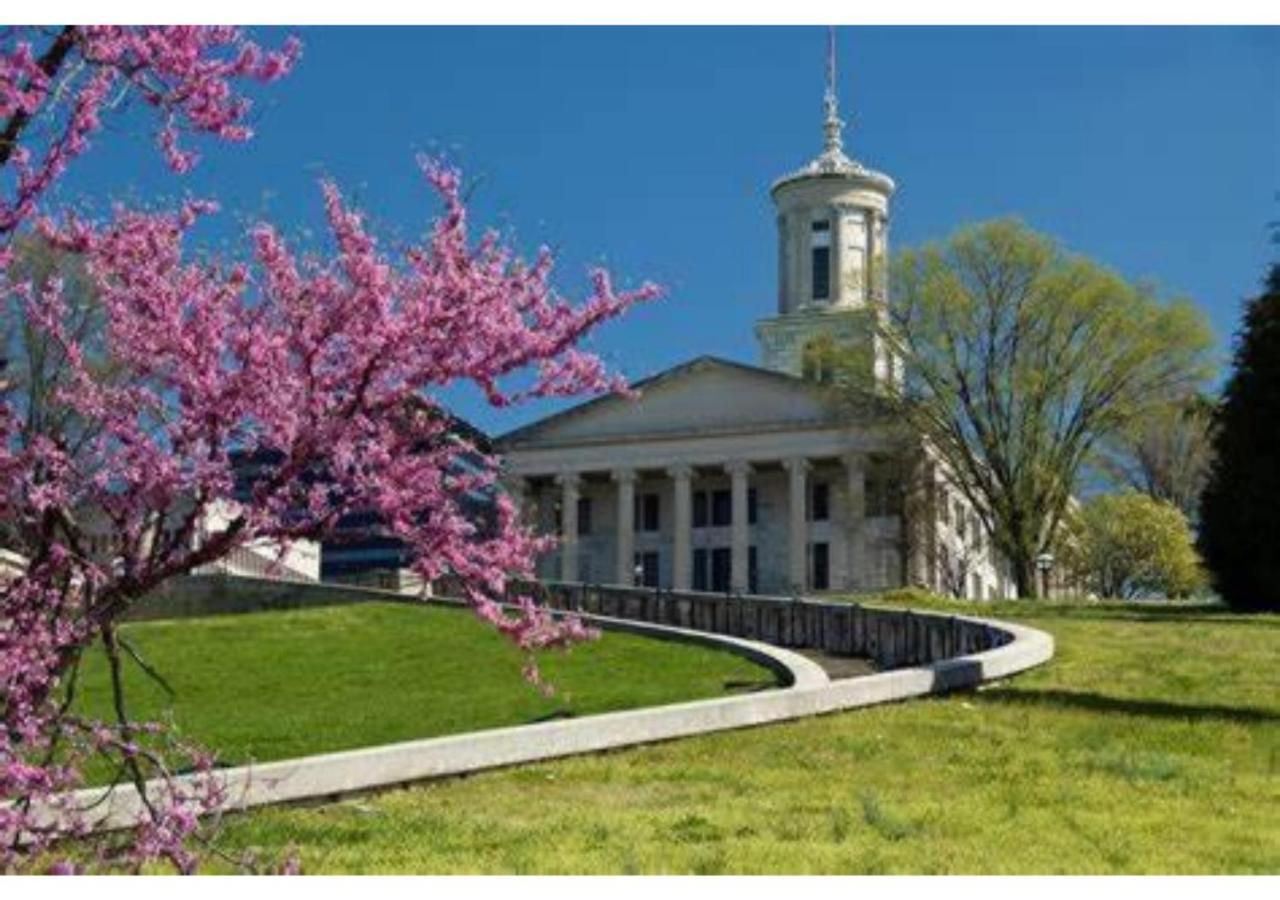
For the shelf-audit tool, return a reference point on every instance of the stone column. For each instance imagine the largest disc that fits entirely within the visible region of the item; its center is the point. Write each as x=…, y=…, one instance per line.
x=625, y=479
x=682, y=538
x=569, y=485
x=797, y=528
x=871, y=272
x=920, y=524
x=738, y=578
x=801, y=277
x=855, y=514
x=838, y=289
x=516, y=489
x=784, y=265
x=878, y=255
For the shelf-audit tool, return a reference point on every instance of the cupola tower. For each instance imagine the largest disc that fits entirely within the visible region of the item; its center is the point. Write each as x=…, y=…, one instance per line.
x=833, y=238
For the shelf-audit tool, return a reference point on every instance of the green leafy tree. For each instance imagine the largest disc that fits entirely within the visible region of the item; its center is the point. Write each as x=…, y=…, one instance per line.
x=36, y=366
x=1241, y=501
x=1165, y=452
x=33, y=367
x=1132, y=545
x=1017, y=359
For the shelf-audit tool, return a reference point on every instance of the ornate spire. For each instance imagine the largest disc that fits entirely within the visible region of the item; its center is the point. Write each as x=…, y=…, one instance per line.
x=832, y=159
x=832, y=126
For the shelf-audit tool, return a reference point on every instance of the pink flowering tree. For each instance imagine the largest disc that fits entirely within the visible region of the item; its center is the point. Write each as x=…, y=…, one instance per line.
x=327, y=364
x=56, y=84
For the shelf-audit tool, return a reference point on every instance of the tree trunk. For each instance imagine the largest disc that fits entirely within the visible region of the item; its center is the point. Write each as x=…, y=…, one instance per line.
x=1025, y=577
x=49, y=64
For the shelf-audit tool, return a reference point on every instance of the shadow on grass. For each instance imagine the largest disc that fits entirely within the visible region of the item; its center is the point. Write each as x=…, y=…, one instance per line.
x=1203, y=614
x=1242, y=618
x=748, y=687
x=1132, y=707
x=555, y=715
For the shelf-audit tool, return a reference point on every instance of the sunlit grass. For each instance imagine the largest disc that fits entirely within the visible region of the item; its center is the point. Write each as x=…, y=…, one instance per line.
x=274, y=685
x=1150, y=744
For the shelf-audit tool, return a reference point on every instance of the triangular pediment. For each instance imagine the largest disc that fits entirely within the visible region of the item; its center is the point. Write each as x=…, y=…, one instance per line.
x=706, y=395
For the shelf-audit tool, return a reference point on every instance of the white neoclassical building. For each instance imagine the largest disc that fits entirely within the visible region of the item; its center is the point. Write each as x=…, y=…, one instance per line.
x=724, y=476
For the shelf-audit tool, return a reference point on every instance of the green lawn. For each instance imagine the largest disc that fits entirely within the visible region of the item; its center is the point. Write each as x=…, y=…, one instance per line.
x=280, y=684
x=1150, y=744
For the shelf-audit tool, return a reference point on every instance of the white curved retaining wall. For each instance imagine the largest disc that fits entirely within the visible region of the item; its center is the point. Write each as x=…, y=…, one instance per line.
x=808, y=692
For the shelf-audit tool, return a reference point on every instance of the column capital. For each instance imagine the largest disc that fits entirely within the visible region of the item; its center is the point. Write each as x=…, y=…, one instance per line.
x=623, y=476
x=570, y=485
x=796, y=464
x=680, y=471
x=854, y=459
x=738, y=467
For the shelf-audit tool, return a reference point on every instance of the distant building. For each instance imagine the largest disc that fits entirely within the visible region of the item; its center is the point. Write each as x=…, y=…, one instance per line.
x=724, y=476
x=299, y=561
x=359, y=544
x=11, y=565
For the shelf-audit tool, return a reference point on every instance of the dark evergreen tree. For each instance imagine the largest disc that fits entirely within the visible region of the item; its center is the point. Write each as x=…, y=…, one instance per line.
x=1240, y=533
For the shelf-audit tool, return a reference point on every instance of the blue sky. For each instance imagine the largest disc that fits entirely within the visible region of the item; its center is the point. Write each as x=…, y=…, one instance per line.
x=1153, y=150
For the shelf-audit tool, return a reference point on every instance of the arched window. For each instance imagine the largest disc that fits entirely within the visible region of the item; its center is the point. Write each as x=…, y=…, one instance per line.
x=818, y=360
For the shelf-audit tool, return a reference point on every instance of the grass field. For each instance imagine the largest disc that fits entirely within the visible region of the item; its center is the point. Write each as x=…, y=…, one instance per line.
x=280, y=684
x=1150, y=744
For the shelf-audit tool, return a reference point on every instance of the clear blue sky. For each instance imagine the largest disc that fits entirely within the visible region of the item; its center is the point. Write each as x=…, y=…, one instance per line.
x=1153, y=150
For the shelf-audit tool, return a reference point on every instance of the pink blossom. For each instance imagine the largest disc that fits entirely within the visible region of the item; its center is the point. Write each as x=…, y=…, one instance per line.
x=189, y=74
x=328, y=367
x=330, y=364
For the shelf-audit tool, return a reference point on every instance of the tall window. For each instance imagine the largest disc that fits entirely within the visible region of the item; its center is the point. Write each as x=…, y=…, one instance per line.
x=753, y=506
x=820, y=502
x=647, y=568
x=721, y=507
x=820, y=243
x=584, y=515
x=821, y=576
x=818, y=360
x=645, y=516
x=721, y=567
x=700, y=509
x=883, y=489
x=700, y=582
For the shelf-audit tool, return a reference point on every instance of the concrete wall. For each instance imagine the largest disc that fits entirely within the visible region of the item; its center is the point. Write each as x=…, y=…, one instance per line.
x=218, y=594
x=893, y=638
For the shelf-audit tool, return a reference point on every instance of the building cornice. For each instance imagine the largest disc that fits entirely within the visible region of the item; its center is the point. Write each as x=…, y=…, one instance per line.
x=837, y=166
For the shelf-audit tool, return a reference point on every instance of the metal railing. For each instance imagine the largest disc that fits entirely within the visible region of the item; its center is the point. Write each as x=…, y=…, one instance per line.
x=245, y=561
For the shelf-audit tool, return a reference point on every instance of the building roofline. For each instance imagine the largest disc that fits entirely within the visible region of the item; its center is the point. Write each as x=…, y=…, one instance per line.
x=647, y=382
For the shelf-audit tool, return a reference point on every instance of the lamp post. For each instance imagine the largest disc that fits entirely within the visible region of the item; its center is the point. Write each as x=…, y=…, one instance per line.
x=1044, y=563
